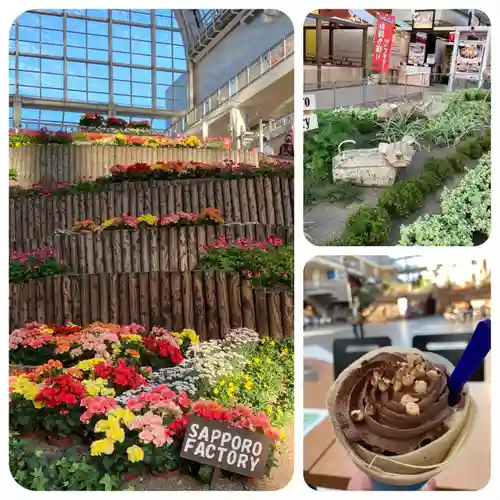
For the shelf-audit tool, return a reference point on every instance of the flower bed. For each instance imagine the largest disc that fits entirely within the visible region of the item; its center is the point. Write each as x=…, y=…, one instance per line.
x=467, y=113
x=210, y=216
x=34, y=264
x=370, y=225
x=465, y=213
x=266, y=263
x=159, y=171
x=129, y=420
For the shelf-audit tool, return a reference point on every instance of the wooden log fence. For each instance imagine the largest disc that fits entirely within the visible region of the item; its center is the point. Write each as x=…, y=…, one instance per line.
x=209, y=302
x=152, y=249
x=263, y=200
x=57, y=163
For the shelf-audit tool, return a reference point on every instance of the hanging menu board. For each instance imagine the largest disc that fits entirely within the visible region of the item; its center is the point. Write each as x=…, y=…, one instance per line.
x=383, y=42
x=470, y=55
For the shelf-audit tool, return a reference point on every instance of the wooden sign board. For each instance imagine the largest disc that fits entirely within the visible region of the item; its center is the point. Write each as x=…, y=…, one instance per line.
x=310, y=122
x=223, y=446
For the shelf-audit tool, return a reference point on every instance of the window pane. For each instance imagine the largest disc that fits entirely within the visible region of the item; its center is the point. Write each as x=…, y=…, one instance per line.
x=77, y=96
x=164, y=77
x=141, y=102
x=12, y=76
x=120, y=15
x=29, y=19
x=178, y=52
x=141, y=89
x=163, y=50
x=52, y=36
x=52, y=66
x=122, y=87
x=121, y=57
x=29, y=91
x=29, y=63
x=27, y=78
x=76, y=68
x=139, y=33
x=122, y=100
x=164, y=36
x=121, y=31
x=52, y=50
x=77, y=25
x=97, y=13
x=164, y=63
x=179, y=64
x=97, y=42
x=52, y=22
x=53, y=81
x=12, y=62
x=163, y=21
x=141, y=47
x=93, y=97
x=97, y=28
x=49, y=115
x=140, y=60
x=141, y=75
x=98, y=70
x=97, y=55
x=77, y=53
x=29, y=34
x=177, y=38
x=29, y=47
x=76, y=40
x=121, y=73
x=140, y=18
x=77, y=83
x=97, y=85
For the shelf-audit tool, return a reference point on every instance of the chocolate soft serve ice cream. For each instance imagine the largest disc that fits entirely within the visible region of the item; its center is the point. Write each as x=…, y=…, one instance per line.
x=389, y=410
x=394, y=403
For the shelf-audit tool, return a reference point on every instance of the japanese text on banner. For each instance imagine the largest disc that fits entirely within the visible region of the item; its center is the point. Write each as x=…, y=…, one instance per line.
x=383, y=42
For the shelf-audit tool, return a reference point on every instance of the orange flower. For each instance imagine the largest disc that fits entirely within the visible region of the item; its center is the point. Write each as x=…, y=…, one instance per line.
x=75, y=373
x=133, y=353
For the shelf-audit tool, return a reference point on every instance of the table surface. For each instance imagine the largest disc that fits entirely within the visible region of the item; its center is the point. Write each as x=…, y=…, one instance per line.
x=327, y=465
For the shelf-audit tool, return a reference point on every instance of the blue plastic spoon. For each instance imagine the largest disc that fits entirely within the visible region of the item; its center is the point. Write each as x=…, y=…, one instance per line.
x=477, y=349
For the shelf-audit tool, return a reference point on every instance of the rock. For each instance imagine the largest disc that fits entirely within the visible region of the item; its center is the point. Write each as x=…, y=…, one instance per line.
x=398, y=154
x=386, y=110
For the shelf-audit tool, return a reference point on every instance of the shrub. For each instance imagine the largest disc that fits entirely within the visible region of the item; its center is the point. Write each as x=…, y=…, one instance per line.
x=367, y=226
x=458, y=161
x=402, y=199
x=440, y=167
x=427, y=182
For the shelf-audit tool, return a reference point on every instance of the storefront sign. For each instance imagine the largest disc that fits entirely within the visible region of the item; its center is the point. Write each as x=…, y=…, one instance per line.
x=416, y=54
x=223, y=446
x=423, y=19
x=383, y=42
x=469, y=60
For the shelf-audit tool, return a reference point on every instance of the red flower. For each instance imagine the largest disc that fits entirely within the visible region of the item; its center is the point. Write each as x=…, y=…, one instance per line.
x=61, y=390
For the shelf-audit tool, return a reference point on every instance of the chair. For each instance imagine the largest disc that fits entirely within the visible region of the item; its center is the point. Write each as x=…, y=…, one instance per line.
x=450, y=346
x=346, y=351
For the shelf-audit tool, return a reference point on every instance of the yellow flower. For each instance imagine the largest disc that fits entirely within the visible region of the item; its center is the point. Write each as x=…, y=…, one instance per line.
x=116, y=434
x=221, y=383
x=247, y=377
x=108, y=392
x=269, y=410
x=135, y=453
x=256, y=361
x=89, y=364
x=191, y=335
x=122, y=415
x=117, y=351
x=248, y=385
x=23, y=386
x=285, y=350
x=102, y=447
x=216, y=391
x=282, y=434
x=132, y=337
x=91, y=387
x=230, y=392
x=149, y=219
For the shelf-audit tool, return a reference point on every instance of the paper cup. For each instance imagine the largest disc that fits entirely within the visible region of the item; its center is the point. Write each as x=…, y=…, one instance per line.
x=411, y=470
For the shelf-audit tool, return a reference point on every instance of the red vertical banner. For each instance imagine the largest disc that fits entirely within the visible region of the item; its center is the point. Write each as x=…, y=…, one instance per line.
x=228, y=142
x=383, y=42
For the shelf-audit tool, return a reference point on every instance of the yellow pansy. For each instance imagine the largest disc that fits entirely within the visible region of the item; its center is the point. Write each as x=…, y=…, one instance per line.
x=135, y=453
x=102, y=447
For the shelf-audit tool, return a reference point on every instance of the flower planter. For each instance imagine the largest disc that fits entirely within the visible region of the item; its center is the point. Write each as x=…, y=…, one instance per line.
x=166, y=475
x=18, y=369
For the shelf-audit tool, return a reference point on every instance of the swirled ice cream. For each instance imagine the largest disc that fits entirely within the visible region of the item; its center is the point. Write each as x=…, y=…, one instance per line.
x=394, y=403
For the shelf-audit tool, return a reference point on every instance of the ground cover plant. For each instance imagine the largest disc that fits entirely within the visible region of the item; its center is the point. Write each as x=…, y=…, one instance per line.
x=168, y=170
x=124, y=417
x=266, y=263
x=467, y=113
x=465, y=213
x=369, y=225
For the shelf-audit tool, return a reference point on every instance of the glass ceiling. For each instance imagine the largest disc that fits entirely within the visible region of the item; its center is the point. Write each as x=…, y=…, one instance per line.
x=130, y=58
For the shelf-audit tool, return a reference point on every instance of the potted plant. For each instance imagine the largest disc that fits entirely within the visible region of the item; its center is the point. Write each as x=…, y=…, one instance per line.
x=118, y=123
x=91, y=120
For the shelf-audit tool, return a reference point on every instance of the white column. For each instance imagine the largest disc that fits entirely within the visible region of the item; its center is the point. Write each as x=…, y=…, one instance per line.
x=17, y=111
x=261, y=135
x=204, y=129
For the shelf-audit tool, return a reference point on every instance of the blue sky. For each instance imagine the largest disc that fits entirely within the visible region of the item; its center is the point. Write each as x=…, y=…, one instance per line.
x=88, y=72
